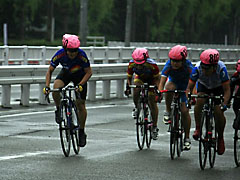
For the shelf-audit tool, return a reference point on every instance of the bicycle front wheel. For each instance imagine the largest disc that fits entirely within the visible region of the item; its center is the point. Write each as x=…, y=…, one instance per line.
x=203, y=141
x=212, y=136
x=173, y=135
x=140, y=128
x=148, y=128
x=237, y=147
x=64, y=130
x=179, y=135
x=75, y=130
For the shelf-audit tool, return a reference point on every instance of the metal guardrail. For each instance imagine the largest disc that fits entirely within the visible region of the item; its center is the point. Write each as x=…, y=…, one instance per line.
x=25, y=75
x=25, y=55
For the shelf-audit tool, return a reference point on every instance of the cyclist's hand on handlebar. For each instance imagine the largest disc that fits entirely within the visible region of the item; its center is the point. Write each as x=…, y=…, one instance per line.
x=224, y=107
x=159, y=96
x=46, y=90
x=79, y=88
x=127, y=91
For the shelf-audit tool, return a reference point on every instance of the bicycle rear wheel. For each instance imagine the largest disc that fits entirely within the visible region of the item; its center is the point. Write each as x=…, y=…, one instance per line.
x=148, y=128
x=212, y=135
x=173, y=135
x=203, y=141
x=237, y=147
x=64, y=130
x=75, y=130
x=140, y=128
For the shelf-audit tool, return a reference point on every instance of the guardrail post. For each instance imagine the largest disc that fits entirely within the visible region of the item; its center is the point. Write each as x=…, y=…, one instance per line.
x=25, y=55
x=43, y=55
x=120, y=88
x=6, y=55
x=106, y=89
x=6, y=96
x=92, y=90
x=41, y=99
x=25, y=93
x=106, y=56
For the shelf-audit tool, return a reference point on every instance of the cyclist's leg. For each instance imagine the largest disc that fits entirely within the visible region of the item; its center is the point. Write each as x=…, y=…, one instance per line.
x=136, y=91
x=198, y=109
x=168, y=100
x=169, y=96
x=82, y=114
x=220, y=121
x=61, y=80
x=186, y=119
x=236, y=107
x=153, y=107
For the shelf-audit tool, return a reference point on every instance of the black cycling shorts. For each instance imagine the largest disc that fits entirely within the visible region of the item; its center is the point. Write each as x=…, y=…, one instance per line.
x=215, y=91
x=67, y=77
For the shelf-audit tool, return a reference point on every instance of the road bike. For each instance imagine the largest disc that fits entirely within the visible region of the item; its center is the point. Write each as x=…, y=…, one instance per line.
x=144, y=123
x=175, y=124
x=69, y=125
x=208, y=134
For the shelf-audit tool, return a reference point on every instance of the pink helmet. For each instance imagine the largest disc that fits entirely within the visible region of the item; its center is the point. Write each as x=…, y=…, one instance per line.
x=140, y=55
x=238, y=66
x=70, y=41
x=209, y=56
x=178, y=52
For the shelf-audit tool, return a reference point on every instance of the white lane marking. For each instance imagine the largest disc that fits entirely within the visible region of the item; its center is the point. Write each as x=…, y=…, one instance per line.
x=29, y=154
x=43, y=112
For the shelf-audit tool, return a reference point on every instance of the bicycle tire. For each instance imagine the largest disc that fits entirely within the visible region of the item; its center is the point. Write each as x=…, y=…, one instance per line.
x=75, y=131
x=179, y=135
x=213, y=143
x=140, y=130
x=64, y=130
x=203, y=143
x=237, y=147
x=173, y=137
x=148, y=128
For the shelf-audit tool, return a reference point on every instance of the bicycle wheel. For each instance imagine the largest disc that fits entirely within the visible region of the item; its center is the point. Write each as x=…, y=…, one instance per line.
x=212, y=136
x=237, y=147
x=64, y=130
x=173, y=136
x=75, y=130
x=148, y=128
x=179, y=135
x=203, y=141
x=140, y=128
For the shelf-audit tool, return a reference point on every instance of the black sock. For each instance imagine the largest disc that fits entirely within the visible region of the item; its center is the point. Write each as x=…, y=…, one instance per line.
x=81, y=131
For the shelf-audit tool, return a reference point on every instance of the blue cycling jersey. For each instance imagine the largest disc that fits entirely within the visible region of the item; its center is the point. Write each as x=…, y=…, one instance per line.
x=180, y=75
x=74, y=66
x=214, y=80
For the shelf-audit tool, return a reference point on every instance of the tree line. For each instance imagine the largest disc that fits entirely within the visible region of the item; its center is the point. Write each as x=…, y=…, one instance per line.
x=181, y=21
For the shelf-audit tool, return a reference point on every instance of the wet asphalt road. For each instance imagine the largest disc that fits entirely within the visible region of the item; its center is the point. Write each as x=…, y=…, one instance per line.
x=30, y=148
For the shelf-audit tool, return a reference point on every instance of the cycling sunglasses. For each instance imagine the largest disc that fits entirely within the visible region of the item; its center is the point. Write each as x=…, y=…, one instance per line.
x=72, y=50
x=207, y=66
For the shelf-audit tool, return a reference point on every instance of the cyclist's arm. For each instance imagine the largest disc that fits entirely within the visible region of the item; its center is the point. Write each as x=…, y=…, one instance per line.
x=88, y=74
x=190, y=86
x=227, y=91
x=49, y=75
x=162, y=82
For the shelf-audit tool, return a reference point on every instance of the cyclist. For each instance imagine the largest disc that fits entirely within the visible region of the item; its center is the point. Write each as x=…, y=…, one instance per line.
x=235, y=84
x=146, y=71
x=75, y=68
x=212, y=78
x=177, y=71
